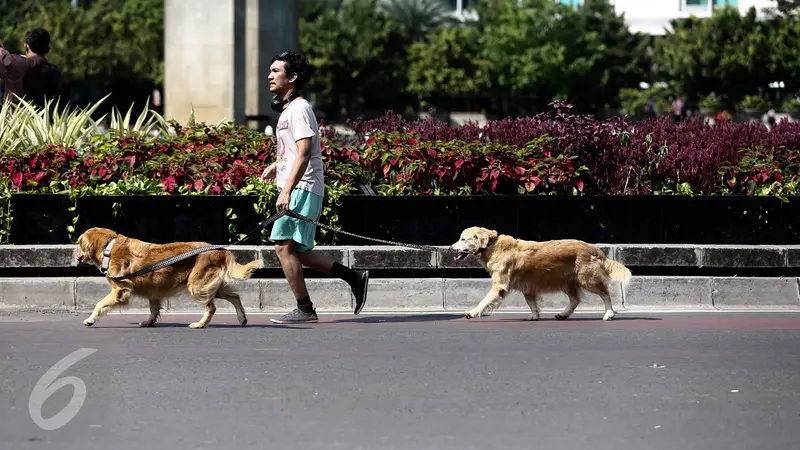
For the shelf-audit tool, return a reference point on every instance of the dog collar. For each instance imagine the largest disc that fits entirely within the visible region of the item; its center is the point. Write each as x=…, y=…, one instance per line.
x=107, y=256
x=488, y=244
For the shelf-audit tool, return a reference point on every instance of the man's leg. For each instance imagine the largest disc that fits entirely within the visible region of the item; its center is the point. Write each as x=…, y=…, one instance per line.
x=301, y=236
x=357, y=279
x=293, y=270
x=287, y=235
x=310, y=205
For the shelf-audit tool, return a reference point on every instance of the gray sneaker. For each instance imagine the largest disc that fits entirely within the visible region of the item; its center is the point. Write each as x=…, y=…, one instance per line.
x=297, y=316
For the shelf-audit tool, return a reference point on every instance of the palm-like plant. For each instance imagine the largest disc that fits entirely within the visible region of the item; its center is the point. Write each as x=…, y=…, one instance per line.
x=311, y=9
x=419, y=17
x=27, y=126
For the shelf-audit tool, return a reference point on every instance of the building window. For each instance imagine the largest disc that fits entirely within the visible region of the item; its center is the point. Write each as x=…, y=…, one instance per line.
x=704, y=4
x=572, y=3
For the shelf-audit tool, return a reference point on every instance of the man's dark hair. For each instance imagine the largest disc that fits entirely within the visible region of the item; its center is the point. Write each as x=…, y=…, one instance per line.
x=296, y=63
x=38, y=39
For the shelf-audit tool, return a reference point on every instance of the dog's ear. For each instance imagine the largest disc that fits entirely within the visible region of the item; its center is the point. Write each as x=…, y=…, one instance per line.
x=91, y=241
x=485, y=237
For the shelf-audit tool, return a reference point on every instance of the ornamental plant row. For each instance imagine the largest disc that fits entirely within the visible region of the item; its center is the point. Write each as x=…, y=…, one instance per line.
x=563, y=153
x=553, y=153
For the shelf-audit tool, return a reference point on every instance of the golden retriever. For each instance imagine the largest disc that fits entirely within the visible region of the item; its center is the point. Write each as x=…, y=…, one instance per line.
x=536, y=268
x=205, y=276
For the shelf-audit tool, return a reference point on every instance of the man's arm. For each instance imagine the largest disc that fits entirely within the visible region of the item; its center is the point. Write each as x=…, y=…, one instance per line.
x=8, y=59
x=5, y=60
x=269, y=172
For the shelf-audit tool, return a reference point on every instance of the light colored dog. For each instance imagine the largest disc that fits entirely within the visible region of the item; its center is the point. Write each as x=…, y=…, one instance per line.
x=206, y=276
x=536, y=268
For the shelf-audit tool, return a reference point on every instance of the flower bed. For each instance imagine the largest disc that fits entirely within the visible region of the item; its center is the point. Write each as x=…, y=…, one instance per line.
x=562, y=153
x=555, y=154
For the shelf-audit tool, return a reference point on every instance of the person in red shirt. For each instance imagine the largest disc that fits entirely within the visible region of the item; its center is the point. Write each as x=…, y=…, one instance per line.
x=30, y=76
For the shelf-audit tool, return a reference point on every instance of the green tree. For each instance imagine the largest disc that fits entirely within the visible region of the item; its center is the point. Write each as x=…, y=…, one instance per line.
x=111, y=46
x=522, y=43
x=726, y=53
x=784, y=39
x=602, y=57
x=447, y=67
x=359, y=55
x=311, y=9
x=788, y=6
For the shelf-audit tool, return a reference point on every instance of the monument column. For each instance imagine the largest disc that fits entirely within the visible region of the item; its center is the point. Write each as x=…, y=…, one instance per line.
x=217, y=54
x=272, y=27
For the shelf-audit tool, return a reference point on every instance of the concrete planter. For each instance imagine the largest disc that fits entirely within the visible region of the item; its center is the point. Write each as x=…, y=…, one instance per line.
x=438, y=220
x=709, y=112
x=753, y=114
x=431, y=220
x=665, y=277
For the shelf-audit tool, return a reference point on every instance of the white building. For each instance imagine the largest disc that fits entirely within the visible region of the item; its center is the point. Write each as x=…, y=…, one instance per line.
x=652, y=16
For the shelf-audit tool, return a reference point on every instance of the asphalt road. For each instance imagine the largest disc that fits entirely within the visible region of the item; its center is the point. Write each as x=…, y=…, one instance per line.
x=672, y=381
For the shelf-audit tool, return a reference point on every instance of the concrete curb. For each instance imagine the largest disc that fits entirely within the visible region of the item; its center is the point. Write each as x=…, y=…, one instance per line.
x=420, y=295
x=389, y=257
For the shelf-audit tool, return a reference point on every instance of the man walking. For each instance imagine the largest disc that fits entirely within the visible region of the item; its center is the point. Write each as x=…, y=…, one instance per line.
x=32, y=76
x=298, y=173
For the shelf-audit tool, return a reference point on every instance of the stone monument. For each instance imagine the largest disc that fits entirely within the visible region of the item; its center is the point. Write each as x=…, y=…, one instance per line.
x=217, y=56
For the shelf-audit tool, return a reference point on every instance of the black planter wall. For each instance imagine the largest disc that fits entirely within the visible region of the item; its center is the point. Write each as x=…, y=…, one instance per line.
x=439, y=220
x=434, y=220
x=43, y=219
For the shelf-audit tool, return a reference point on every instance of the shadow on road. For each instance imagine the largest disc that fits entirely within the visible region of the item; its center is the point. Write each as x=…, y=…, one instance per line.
x=398, y=318
x=599, y=318
x=217, y=325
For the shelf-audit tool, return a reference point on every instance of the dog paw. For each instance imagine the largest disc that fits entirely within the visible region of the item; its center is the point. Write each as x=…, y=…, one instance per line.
x=196, y=325
x=243, y=322
x=88, y=322
x=561, y=317
x=533, y=317
x=469, y=315
x=609, y=315
x=147, y=324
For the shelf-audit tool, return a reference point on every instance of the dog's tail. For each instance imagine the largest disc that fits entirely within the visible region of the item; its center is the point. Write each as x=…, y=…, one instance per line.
x=242, y=271
x=617, y=271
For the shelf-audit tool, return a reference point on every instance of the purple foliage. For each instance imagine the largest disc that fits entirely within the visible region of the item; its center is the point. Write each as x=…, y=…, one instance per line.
x=428, y=129
x=622, y=158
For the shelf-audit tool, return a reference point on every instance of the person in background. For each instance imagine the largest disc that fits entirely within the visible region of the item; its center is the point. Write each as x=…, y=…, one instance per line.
x=31, y=77
x=299, y=176
x=677, y=109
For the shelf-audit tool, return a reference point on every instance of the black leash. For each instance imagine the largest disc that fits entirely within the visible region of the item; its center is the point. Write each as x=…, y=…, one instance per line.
x=186, y=255
x=382, y=241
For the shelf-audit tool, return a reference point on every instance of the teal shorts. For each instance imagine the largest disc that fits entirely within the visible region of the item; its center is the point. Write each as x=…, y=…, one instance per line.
x=301, y=232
